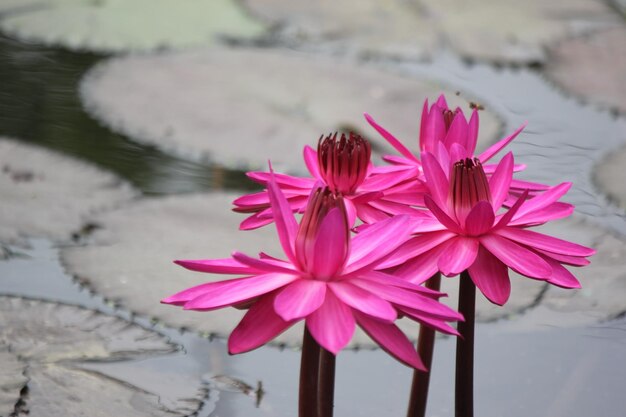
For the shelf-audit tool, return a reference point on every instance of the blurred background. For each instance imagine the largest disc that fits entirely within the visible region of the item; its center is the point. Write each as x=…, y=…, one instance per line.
x=126, y=129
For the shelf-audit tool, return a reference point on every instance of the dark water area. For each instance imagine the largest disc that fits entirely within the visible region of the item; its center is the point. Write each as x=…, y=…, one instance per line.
x=39, y=104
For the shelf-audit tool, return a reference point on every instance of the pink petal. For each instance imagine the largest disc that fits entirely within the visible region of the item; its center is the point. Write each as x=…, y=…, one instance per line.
x=391, y=339
x=500, y=181
x=255, y=221
x=441, y=215
x=286, y=224
x=421, y=268
x=561, y=277
x=527, y=185
x=218, y=266
x=564, y=259
x=435, y=179
x=377, y=241
x=543, y=200
x=552, y=212
x=311, y=161
x=223, y=293
x=364, y=301
x=457, y=133
x=390, y=138
x=516, y=257
x=428, y=320
x=263, y=265
x=491, y=277
x=300, y=298
x=332, y=325
x=506, y=218
x=260, y=325
x=458, y=255
x=472, y=134
x=480, y=219
x=285, y=182
x=435, y=130
x=457, y=153
x=545, y=242
x=331, y=245
x=423, y=123
x=254, y=200
x=415, y=247
x=496, y=147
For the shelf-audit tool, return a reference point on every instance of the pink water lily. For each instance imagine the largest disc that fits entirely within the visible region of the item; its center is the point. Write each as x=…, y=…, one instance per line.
x=469, y=229
x=328, y=279
x=448, y=136
x=343, y=164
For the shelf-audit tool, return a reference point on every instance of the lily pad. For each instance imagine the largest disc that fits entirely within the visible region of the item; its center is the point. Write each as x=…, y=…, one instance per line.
x=609, y=176
x=593, y=67
x=45, y=194
x=12, y=380
x=126, y=25
x=241, y=108
x=53, y=341
x=502, y=31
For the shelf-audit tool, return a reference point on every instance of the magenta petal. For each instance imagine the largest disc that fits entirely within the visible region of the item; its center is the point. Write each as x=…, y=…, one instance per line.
x=421, y=268
x=429, y=320
x=564, y=259
x=544, y=242
x=311, y=161
x=458, y=255
x=552, y=212
x=363, y=300
x=286, y=224
x=331, y=245
x=435, y=179
x=332, y=325
x=517, y=257
x=218, y=266
x=300, y=298
x=260, y=325
x=390, y=138
x=561, y=277
x=506, y=218
x=457, y=133
x=223, y=293
x=377, y=241
x=263, y=265
x=287, y=183
x=480, y=219
x=491, y=277
x=543, y=200
x=472, y=134
x=496, y=147
x=255, y=221
x=392, y=340
x=415, y=247
x=441, y=215
x=500, y=181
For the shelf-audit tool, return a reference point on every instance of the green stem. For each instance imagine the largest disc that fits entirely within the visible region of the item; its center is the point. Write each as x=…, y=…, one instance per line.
x=464, y=388
x=309, y=375
x=326, y=384
x=425, y=347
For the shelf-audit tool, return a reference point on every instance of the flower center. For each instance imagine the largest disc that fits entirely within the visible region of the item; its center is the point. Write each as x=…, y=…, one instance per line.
x=343, y=162
x=448, y=117
x=323, y=237
x=468, y=186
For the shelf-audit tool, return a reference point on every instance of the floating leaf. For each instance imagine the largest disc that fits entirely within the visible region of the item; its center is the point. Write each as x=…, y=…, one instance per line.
x=123, y=25
x=45, y=194
x=241, y=108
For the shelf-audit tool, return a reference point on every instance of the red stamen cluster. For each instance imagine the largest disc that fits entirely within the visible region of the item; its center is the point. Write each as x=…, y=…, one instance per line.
x=468, y=186
x=343, y=162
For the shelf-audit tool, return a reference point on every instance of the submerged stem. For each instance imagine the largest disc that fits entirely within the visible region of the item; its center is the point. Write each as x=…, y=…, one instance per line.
x=425, y=347
x=464, y=388
x=309, y=376
x=326, y=389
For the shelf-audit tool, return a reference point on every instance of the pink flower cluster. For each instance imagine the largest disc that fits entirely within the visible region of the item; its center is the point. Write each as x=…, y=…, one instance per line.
x=370, y=236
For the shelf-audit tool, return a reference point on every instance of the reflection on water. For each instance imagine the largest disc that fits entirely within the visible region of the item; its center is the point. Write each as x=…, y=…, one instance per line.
x=39, y=104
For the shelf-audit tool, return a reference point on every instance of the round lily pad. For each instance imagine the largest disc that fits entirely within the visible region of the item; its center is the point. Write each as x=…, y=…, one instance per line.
x=241, y=108
x=45, y=194
x=55, y=342
x=593, y=67
x=126, y=25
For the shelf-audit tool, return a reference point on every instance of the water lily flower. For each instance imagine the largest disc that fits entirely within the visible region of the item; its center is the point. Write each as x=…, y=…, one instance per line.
x=343, y=164
x=450, y=137
x=328, y=279
x=469, y=229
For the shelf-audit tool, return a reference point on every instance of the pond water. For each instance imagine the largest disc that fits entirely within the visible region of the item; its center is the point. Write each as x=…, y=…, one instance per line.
x=574, y=372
